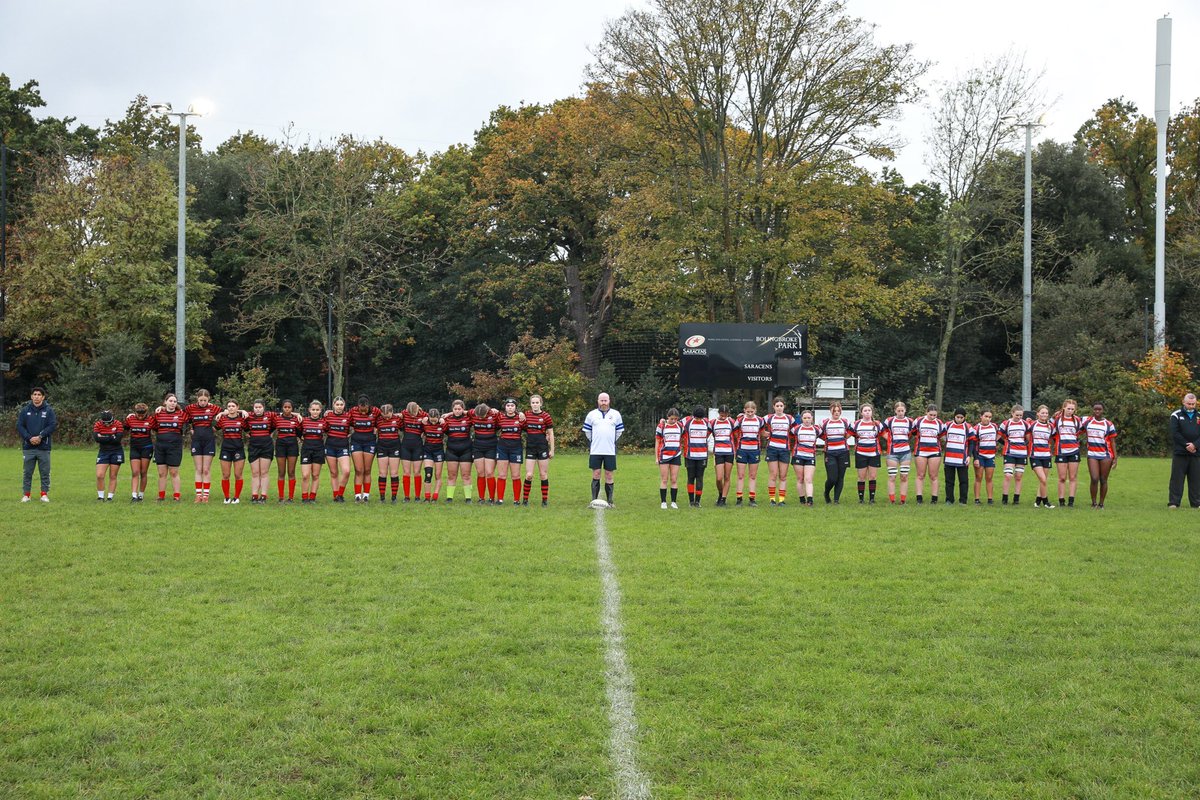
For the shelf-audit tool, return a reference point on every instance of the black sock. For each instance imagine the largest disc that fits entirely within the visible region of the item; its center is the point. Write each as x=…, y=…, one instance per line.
x=872, y=486
x=1016, y=499
x=662, y=495
x=861, y=489
x=608, y=490
x=674, y=494
x=595, y=488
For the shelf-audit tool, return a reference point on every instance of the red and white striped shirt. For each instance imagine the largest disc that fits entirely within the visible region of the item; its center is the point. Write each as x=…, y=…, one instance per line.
x=1101, y=435
x=779, y=431
x=748, y=429
x=804, y=440
x=1016, y=437
x=1066, y=430
x=1040, y=436
x=695, y=437
x=722, y=432
x=899, y=434
x=866, y=437
x=929, y=433
x=958, y=438
x=668, y=440
x=985, y=439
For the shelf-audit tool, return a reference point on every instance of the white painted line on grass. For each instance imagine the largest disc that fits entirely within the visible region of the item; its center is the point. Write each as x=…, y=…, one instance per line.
x=631, y=783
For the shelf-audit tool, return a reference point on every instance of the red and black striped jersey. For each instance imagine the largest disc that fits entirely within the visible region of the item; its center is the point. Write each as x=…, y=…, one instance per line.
x=537, y=423
x=435, y=433
x=485, y=426
x=337, y=428
x=286, y=426
x=412, y=424
x=313, y=430
x=389, y=427
x=231, y=428
x=139, y=428
x=201, y=416
x=509, y=427
x=108, y=434
x=457, y=427
x=169, y=424
x=260, y=426
x=362, y=423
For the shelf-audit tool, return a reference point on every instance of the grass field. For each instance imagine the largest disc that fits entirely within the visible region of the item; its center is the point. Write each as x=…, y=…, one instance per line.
x=454, y=652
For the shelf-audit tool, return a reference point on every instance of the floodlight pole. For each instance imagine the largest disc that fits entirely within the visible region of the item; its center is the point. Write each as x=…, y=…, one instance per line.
x=1027, y=280
x=181, y=249
x=1162, y=117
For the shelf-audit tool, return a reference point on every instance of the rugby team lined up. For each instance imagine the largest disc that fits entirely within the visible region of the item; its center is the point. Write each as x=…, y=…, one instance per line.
x=411, y=446
x=928, y=442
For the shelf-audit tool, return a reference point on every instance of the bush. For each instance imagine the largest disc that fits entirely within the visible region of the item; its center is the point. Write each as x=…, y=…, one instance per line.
x=248, y=382
x=110, y=379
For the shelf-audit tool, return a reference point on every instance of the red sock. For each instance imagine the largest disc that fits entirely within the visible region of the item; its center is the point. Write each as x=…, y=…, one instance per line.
x=771, y=492
x=752, y=495
x=545, y=490
x=395, y=486
x=528, y=486
x=382, y=487
x=225, y=487
x=357, y=489
x=279, y=485
x=291, y=488
x=237, y=487
x=416, y=486
x=207, y=487
x=491, y=488
x=435, y=494
x=174, y=496
x=407, y=486
x=481, y=487
x=516, y=482
x=499, y=489
x=199, y=486
x=162, y=495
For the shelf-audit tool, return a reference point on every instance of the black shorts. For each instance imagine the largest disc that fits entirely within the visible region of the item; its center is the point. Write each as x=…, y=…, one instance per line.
x=411, y=451
x=435, y=454
x=204, y=444
x=233, y=453
x=287, y=448
x=260, y=450
x=538, y=452
x=607, y=463
x=141, y=450
x=673, y=461
x=483, y=449
x=862, y=462
x=387, y=448
x=459, y=453
x=168, y=454
x=1071, y=459
x=722, y=458
x=312, y=455
x=1040, y=461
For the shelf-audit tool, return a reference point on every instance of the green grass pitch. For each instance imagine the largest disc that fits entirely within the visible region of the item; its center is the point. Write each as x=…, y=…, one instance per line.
x=457, y=652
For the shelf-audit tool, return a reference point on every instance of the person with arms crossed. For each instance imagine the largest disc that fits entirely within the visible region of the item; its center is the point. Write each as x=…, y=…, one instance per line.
x=35, y=425
x=1185, y=458
x=603, y=427
x=108, y=432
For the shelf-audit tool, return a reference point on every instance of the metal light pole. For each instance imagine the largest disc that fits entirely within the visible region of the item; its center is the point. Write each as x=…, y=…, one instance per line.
x=1027, y=279
x=181, y=244
x=1162, y=115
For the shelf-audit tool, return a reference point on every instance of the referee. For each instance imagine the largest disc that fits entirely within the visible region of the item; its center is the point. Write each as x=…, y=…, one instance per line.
x=1185, y=454
x=602, y=427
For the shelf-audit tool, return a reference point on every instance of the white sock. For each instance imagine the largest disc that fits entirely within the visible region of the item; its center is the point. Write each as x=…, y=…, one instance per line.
x=99, y=494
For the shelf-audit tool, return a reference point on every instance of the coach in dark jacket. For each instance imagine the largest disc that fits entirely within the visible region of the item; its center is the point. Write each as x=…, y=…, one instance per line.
x=35, y=426
x=1185, y=459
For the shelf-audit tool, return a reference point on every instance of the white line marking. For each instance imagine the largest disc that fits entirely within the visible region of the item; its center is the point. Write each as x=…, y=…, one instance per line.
x=631, y=783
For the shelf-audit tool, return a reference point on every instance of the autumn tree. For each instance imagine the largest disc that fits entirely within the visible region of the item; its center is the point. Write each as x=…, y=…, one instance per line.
x=973, y=120
x=326, y=238
x=758, y=110
x=96, y=256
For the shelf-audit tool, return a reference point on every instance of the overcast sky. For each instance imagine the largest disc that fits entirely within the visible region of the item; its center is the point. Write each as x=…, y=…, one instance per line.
x=426, y=75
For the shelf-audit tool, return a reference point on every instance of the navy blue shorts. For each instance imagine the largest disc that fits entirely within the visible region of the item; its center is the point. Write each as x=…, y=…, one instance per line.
x=1018, y=460
x=804, y=461
x=748, y=456
x=204, y=445
x=606, y=463
x=111, y=457
x=337, y=451
x=1040, y=461
x=435, y=454
x=141, y=451
x=774, y=454
x=230, y=454
x=986, y=462
x=363, y=447
x=511, y=453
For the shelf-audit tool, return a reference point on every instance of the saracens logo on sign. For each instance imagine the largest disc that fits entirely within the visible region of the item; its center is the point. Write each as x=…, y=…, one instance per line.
x=694, y=341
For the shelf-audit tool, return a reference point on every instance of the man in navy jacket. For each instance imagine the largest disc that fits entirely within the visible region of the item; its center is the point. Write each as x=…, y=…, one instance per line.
x=35, y=425
x=1185, y=453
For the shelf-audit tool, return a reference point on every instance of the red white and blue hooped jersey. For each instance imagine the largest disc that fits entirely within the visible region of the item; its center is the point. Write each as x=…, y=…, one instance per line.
x=836, y=433
x=1100, y=435
x=695, y=437
x=748, y=429
x=958, y=443
x=804, y=440
x=866, y=437
x=1066, y=435
x=779, y=431
x=986, y=439
x=668, y=440
x=1016, y=437
x=722, y=433
x=1041, y=439
x=899, y=434
x=929, y=433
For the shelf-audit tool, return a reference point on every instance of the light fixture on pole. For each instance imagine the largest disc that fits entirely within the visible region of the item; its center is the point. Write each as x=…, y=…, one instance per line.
x=196, y=109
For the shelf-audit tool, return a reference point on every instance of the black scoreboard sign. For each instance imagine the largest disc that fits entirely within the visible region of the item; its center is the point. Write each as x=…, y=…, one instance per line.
x=731, y=356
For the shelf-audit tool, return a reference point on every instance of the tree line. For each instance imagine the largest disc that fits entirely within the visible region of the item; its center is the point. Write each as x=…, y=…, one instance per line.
x=713, y=168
